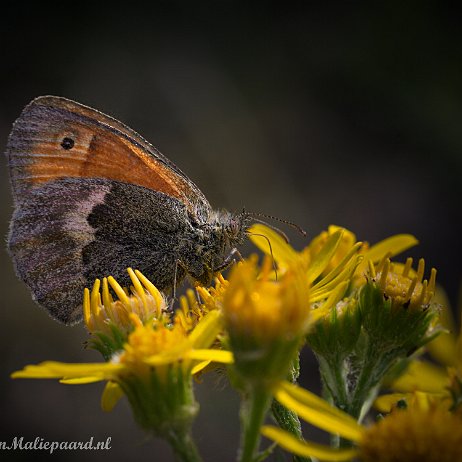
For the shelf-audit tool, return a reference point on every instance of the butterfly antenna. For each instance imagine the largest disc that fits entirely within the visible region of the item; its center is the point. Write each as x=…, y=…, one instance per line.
x=270, y=249
x=255, y=216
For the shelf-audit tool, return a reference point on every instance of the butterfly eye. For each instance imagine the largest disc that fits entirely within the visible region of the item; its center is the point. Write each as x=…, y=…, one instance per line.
x=234, y=227
x=67, y=143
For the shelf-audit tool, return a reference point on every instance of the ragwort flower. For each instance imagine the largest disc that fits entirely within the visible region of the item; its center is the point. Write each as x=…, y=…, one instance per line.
x=442, y=377
x=154, y=366
x=422, y=431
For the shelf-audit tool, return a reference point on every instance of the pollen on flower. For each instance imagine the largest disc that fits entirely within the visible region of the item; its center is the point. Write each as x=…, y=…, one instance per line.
x=256, y=306
x=419, y=433
x=149, y=340
x=194, y=306
x=143, y=301
x=168, y=344
x=402, y=284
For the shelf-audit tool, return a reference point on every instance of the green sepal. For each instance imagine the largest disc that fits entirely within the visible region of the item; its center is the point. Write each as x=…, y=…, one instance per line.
x=162, y=405
x=335, y=336
x=394, y=330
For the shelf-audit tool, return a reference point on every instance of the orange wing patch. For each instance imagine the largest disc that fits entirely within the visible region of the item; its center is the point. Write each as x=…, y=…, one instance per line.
x=98, y=154
x=58, y=138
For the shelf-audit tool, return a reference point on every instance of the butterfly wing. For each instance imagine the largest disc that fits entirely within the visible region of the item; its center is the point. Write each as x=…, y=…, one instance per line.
x=69, y=232
x=91, y=198
x=58, y=138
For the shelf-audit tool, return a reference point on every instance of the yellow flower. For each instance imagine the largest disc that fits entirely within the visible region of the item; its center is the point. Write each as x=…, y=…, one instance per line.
x=109, y=320
x=265, y=319
x=440, y=378
x=389, y=247
x=402, y=285
x=421, y=432
x=152, y=344
x=328, y=281
x=340, y=249
x=258, y=307
x=191, y=311
x=101, y=311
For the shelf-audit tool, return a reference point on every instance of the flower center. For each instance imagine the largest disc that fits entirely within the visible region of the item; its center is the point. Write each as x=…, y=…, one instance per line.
x=430, y=435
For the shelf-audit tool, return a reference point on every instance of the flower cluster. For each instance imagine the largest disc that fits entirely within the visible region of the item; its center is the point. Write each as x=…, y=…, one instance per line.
x=365, y=318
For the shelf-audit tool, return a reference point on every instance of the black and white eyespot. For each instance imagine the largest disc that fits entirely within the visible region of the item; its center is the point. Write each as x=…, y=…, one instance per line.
x=67, y=143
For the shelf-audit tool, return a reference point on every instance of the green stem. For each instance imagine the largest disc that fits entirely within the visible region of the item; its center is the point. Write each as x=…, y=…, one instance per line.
x=290, y=422
x=253, y=412
x=334, y=387
x=361, y=392
x=184, y=447
x=372, y=372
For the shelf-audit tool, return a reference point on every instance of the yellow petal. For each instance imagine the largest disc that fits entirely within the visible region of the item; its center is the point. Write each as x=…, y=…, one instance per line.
x=304, y=448
x=444, y=347
x=199, y=367
x=81, y=380
x=218, y=356
x=137, y=285
x=391, y=246
x=163, y=359
x=333, y=298
x=422, y=376
x=86, y=306
x=118, y=289
x=317, y=411
x=111, y=396
x=152, y=289
x=57, y=370
x=282, y=252
x=206, y=331
x=322, y=259
x=341, y=272
x=385, y=403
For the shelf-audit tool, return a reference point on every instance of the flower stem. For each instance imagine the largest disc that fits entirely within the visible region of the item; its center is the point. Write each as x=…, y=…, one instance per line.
x=372, y=373
x=184, y=447
x=253, y=412
x=290, y=422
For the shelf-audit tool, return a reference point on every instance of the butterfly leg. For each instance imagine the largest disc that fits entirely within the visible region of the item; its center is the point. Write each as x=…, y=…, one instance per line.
x=178, y=263
x=229, y=260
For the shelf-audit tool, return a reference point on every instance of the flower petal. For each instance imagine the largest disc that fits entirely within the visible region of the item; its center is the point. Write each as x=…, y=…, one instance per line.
x=81, y=380
x=219, y=356
x=206, y=330
x=385, y=403
x=391, y=246
x=322, y=259
x=304, y=448
x=315, y=410
x=333, y=298
x=111, y=396
x=199, y=367
x=421, y=376
x=281, y=251
x=57, y=370
x=444, y=347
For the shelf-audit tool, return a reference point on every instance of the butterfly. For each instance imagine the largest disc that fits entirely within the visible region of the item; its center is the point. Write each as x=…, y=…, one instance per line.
x=92, y=197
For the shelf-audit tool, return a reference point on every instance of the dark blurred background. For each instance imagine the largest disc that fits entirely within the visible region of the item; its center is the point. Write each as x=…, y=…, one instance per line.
x=332, y=113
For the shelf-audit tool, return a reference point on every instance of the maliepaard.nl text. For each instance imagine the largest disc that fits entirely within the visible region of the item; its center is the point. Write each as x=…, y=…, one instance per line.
x=40, y=444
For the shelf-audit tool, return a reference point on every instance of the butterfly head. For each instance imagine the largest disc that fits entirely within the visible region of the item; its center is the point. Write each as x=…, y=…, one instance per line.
x=233, y=227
